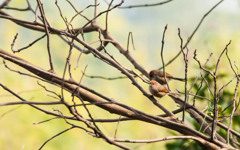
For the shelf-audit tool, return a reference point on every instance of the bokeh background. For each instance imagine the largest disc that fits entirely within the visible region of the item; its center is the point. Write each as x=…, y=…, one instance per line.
x=18, y=124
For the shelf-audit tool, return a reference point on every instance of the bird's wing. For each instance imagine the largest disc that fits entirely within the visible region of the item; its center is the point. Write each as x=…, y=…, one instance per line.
x=164, y=90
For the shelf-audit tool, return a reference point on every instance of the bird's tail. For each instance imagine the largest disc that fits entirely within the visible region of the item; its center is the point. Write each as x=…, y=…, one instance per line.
x=179, y=79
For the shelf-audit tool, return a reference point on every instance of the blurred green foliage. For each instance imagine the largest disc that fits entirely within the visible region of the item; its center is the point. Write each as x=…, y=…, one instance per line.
x=206, y=90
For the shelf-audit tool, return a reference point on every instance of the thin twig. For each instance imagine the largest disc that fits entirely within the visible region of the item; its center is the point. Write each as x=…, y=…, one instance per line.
x=234, y=99
x=105, y=78
x=164, y=72
x=204, y=65
x=130, y=35
x=146, y=5
x=46, y=120
x=29, y=45
x=11, y=110
x=224, y=86
x=199, y=87
x=106, y=23
x=55, y=136
x=196, y=96
x=46, y=25
x=215, y=116
x=233, y=110
x=115, y=133
x=4, y=4
x=158, y=140
x=64, y=19
x=185, y=58
x=29, y=102
x=95, y=11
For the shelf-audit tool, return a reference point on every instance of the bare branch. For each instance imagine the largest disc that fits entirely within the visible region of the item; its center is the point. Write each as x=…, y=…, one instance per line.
x=4, y=4
x=46, y=24
x=164, y=32
x=29, y=45
x=146, y=5
x=185, y=58
x=29, y=102
x=55, y=136
x=130, y=35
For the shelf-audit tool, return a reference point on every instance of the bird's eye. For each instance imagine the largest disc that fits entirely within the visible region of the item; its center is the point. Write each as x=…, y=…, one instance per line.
x=151, y=74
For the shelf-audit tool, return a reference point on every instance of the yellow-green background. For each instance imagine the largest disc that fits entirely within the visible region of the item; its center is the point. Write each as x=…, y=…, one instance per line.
x=17, y=128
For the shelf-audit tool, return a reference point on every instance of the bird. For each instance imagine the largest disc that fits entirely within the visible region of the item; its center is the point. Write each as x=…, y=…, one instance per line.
x=158, y=76
x=158, y=90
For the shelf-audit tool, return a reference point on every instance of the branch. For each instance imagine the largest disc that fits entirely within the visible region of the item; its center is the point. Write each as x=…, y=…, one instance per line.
x=203, y=142
x=29, y=45
x=146, y=5
x=164, y=32
x=55, y=136
x=46, y=25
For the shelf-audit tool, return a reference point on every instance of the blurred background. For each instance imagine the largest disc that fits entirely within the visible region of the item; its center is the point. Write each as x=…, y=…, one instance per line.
x=18, y=124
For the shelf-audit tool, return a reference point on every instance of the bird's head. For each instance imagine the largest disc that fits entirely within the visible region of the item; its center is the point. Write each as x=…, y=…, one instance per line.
x=153, y=73
x=153, y=82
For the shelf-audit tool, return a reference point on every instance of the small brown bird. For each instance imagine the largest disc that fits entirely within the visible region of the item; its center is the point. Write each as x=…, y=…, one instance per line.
x=157, y=89
x=158, y=76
